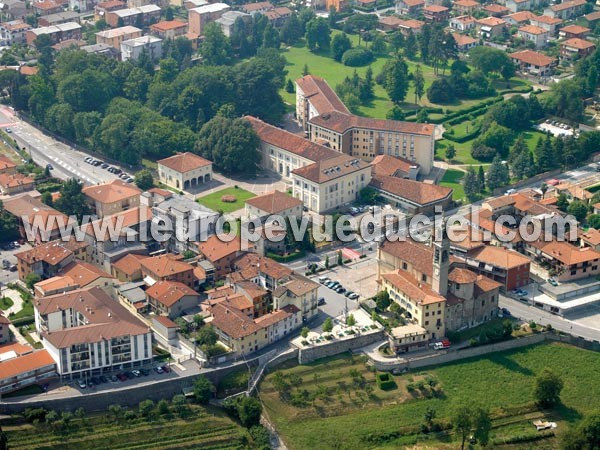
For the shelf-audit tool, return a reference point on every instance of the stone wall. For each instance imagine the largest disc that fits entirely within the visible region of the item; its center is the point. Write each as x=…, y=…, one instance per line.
x=450, y=355
x=308, y=354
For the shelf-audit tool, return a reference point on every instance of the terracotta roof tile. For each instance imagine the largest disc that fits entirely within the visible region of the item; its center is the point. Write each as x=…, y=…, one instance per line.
x=6, y=163
x=114, y=191
x=165, y=322
x=233, y=322
x=414, y=191
x=165, y=266
x=166, y=25
x=462, y=276
x=320, y=95
x=331, y=169
x=522, y=16
x=255, y=264
x=129, y=264
x=567, y=5
x=274, y=202
x=463, y=39
x=531, y=57
x=419, y=292
x=393, y=166
x=184, y=162
x=51, y=253
x=419, y=255
x=575, y=29
x=215, y=249
x=14, y=180
x=532, y=29
x=169, y=292
x=491, y=21
x=577, y=43
x=25, y=363
x=569, y=254
x=546, y=19
x=500, y=257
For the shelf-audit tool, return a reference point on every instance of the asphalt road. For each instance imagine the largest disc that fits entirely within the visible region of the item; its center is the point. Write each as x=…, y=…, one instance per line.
x=526, y=312
x=43, y=149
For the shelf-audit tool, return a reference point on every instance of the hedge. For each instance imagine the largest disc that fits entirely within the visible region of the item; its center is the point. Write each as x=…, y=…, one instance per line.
x=287, y=258
x=461, y=139
x=27, y=320
x=385, y=382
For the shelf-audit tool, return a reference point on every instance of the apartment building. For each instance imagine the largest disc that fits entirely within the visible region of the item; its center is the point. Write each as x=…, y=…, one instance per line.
x=103, y=8
x=326, y=119
x=566, y=10
x=184, y=170
x=21, y=367
x=58, y=18
x=115, y=36
x=86, y=332
x=199, y=17
x=57, y=33
x=169, y=29
x=274, y=203
x=14, y=32
x=167, y=267
x=171, y=298
x=550, y=24
x=112, y=198
x=490, y=27
x=576, y=48
x=132, y=49
x=566, y=262
x=140, y=16
x=465, y=7
x=75, y=275
x=47, y=260
x=221, y=254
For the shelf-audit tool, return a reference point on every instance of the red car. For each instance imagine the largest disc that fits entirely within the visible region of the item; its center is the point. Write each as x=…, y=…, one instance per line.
x=166, y=369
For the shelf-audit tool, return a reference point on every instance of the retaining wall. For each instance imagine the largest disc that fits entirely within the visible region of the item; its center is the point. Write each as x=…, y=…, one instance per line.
x=308, y=354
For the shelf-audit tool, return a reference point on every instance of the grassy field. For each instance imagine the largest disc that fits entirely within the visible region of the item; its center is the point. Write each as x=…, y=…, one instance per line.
x=503, y=382
x=452, y=179
x=323, y=65
x=213, y=201
x=204, y=428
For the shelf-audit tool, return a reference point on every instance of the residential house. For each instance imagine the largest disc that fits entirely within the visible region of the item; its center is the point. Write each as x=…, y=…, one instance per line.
x=519, y=19
x=56, y=33
x=496, y=10
x=551, y=24
x=101, y=49
x=520, y=5
x=490, y=27
x=14, y=32
x=128, y=268
x=116, y=36
x=465, y=7
x=5, y=333
x=535, y=63
x=15, y=183
x=199, y=17
x=184, y=170
x=300, y=292
x=464, y=43
x=279, y=16
x=112, y=197
x=436, y=13
x=37, y=221
x=574, y=31
x=274, y=203
x=530, y=33
x=590, y=238
x=45, y=8
x=169, y=29
x=86, y=332
x=47, y=260
x=221, y=254
x=141, y=16
x=338, y=5
x=592, y=18
x=566, y=10
x=409, y=7
x=410, y=26
x=171, y=298
x=132, y=49
x=167, y=267
x=75, y=275
x=256, y=8
x=462, y=23
x=567, y=262
x=576, y=48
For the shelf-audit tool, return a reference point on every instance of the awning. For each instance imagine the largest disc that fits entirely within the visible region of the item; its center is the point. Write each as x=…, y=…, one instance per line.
x=350, y=254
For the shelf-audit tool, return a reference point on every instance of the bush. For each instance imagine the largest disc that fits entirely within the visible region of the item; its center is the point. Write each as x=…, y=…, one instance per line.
x=385, y=382
x=356, y=57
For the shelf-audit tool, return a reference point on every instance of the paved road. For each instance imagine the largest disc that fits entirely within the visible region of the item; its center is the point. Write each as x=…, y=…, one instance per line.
x=43, y=149
x=523, y=311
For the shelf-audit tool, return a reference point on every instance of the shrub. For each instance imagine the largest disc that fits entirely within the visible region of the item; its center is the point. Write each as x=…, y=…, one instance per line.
x=385, y=382
x=229, y=199
x=356, y=57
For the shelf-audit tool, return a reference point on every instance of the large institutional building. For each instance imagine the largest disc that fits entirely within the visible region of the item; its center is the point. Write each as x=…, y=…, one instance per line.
x=325, y=119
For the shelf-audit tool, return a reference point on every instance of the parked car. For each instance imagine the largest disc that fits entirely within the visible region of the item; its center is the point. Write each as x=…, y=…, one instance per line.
x=159, y=369
x=104, y=165
x=348, y=294
x=136, y=373
x=354, y=296
x=166, y=368
x=340, y=290
x=82, y=384
x=13, y=268
x=113, y=379
x=145, y=372
x=103, y=379
x=129, y=375
x=129, y=180
x=323, y=279
x=49, y=167
x=321, y=301
x=552, y=281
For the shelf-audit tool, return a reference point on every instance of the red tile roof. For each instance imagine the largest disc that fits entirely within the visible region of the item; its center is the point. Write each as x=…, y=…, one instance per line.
x=533, y=58
x=413, y=191
x=184, y=162
x=274, y=202
x=421, y=293
x=166, y=25
x=114, y=191
x=532, y=29
x=165, y=265
x=25, y=363
x=331, y=169
x=169, y=292
x=392, y=166
x=580, y=44
x=320, y=94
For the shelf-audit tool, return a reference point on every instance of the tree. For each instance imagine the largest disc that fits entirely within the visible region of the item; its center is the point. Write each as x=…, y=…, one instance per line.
x=594, y=221
x=471, y=183
x=318, y=34
x=304, y=332
x=482, y=424
x=146, y=408
x=565, y=100
x=585, y=435
x=271, y=37
x=291, y=30
x=72, y=202
x=379, y=45
x=144, y=180
x=339, y=44
x=289, y=87
x=411, y=46
x=547, y=388
x=357, y=57
x=215, y=49
x=397, y=41
x=422, y=116
x=163, y=407
x=395, y=79
x=562, y=202
x=249, y=410
x=46, y=198
x=450, y=152
x=481, y=178
x=462, y=422
x=169, y=14
x=305, y=70
x=578, y=209
x=232, y=145
x=203, y=389
x=497, y=174
x=418, y=83
x=328, y=325
x=31, y=279
x=350, y=320
x=383, y=301
x=206, y=336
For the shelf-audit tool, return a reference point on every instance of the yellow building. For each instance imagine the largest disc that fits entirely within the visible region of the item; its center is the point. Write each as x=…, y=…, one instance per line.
x=184, y=170
x=112, y=198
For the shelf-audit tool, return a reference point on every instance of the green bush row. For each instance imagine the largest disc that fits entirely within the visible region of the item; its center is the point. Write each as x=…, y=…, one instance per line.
x=461, y=139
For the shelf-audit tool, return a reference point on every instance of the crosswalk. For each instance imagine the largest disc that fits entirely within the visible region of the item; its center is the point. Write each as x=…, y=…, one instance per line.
x=9, y=124
x=72, y=170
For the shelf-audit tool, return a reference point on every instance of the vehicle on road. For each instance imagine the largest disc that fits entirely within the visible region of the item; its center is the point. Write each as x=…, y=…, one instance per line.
x=159, y=369
x=82, y=384
x=49, y=167
x=353, y=296
x=348, y=293
x=340, y=289
x=321, y=301
x=13, y=268
x=166, y=368
x=136, y=373
x=324, y=279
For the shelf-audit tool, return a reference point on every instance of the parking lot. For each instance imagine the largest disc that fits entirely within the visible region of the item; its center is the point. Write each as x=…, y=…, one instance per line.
x=9, y=272
x=110, y=169
x=556, y=128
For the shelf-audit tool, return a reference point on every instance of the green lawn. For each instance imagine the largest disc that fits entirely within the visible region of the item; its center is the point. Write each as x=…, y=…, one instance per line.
x=213, y=201
x=503, y=382
x=453, y=179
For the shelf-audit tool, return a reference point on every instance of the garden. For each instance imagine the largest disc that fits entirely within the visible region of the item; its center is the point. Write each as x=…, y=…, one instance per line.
x=226, y=200
x=327, y=404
